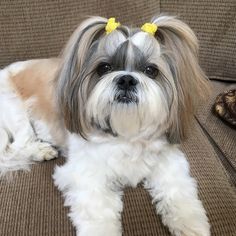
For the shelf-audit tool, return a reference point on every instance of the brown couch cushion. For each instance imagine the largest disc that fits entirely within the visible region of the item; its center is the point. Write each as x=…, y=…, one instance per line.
x=35, y=29
x=215, y=25
x=31, y=205
x=222, y=136
x=216, y=192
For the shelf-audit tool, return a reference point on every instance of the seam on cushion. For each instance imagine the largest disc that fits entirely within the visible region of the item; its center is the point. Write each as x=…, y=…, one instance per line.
x=160, y=7
x=223, y=79
x=228, y=168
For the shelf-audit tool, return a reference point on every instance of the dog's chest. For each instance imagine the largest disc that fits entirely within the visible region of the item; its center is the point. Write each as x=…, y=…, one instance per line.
x=132, y=163
x=129, y=163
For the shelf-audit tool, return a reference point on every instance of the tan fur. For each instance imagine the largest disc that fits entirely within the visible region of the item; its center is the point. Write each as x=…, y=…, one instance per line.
x=36, y=81
x=35, y=84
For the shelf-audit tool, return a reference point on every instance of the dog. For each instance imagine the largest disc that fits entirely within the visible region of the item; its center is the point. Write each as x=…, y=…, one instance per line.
x=117, y=102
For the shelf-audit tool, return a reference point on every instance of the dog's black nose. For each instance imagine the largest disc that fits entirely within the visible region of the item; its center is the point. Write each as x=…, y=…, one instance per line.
x=126, y=82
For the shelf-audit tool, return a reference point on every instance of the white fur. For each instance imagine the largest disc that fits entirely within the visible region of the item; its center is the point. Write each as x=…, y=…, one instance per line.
x=96, y=171
x=135, y=120
x=19, y=145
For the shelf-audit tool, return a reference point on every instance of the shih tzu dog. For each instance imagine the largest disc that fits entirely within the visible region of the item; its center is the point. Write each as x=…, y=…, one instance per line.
x=118, y=102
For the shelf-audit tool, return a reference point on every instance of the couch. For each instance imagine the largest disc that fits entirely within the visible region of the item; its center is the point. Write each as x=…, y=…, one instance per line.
x=31, y=205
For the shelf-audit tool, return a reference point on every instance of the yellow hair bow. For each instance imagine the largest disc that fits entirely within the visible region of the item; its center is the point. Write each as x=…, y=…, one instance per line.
x=150, y=28
x=111, y=25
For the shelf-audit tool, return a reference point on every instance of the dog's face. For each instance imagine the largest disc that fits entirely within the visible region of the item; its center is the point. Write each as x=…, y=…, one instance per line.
x=129, y=82
x=126, y=92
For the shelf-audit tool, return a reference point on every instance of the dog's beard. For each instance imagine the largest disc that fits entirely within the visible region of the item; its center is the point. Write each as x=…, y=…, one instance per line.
x=143, y=111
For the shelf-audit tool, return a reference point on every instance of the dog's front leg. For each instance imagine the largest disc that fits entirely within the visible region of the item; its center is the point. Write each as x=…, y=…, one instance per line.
x=175, y=194
x=95, y=204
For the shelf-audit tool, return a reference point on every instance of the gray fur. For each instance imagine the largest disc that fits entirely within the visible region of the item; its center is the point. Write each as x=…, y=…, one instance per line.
x=173, y=50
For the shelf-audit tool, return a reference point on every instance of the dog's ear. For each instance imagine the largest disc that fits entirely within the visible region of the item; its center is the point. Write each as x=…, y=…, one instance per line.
x=69, y=89
x=191, y=85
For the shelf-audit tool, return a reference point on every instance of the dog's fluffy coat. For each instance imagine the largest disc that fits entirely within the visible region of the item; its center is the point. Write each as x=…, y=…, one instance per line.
x=115, y=137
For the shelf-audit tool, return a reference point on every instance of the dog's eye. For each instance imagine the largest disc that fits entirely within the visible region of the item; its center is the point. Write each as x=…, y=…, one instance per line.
x=103, y=68
x=151, y=71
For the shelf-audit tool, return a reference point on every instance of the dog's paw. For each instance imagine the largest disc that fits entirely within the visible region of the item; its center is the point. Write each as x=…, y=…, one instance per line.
x=193, y=228
x=44, y=152
x=185, y=217
x=197, y=232
x=99, y=230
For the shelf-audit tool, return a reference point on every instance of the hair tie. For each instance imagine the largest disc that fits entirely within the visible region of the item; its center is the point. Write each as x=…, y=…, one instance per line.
x=111, y=25
x=150, y=28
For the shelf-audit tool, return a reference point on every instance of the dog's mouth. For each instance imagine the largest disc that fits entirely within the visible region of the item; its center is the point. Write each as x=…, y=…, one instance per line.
x=126, y=97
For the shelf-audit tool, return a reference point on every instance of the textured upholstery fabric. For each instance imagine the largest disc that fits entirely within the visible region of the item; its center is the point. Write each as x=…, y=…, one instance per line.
x=35, y=29
x=31, y=205
x=222, y=136
x=215, y=25
x=215, y=191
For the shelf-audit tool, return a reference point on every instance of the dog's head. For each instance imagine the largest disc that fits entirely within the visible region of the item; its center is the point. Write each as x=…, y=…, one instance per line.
x=130, y=82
